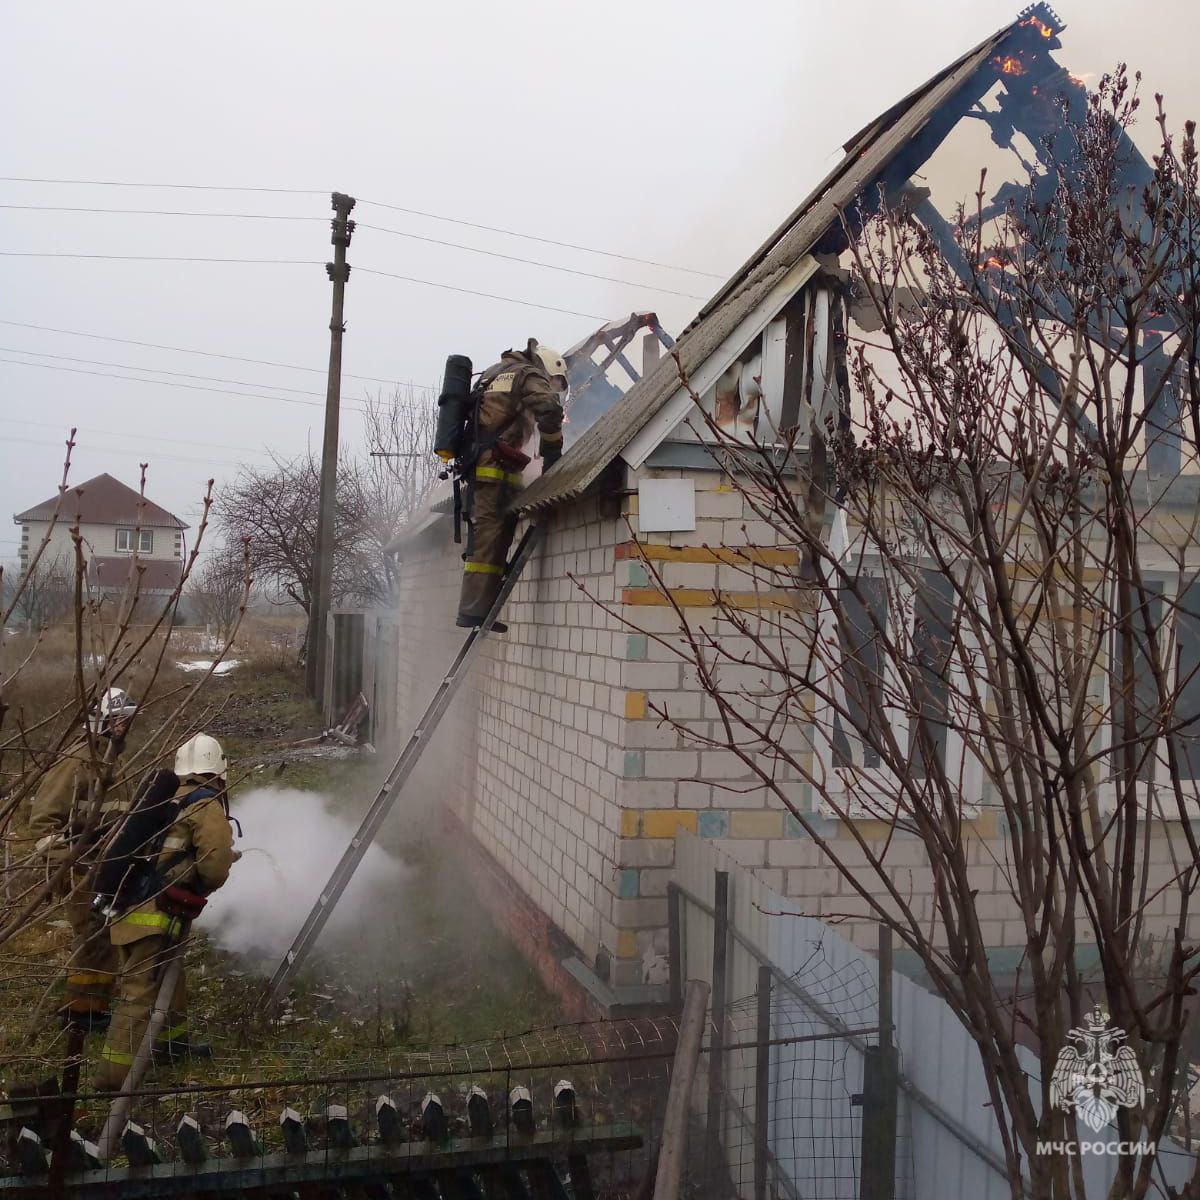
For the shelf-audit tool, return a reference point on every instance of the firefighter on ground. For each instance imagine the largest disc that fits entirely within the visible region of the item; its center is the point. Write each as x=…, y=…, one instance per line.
x=77, y=806
x=192, y=862
x=525, y=388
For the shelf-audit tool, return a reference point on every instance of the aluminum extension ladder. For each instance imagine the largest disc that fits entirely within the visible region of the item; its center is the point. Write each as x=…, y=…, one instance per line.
x=331, y=893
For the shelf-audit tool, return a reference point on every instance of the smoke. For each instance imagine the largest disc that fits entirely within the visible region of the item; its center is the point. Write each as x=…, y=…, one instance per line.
x=291, y=843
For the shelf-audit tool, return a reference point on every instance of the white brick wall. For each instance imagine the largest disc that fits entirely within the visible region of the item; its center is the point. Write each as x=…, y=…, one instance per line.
x=538, y=728
x=554, y=759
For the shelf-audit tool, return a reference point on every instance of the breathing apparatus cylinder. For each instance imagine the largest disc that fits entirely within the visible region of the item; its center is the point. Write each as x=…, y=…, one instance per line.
x=454, y=408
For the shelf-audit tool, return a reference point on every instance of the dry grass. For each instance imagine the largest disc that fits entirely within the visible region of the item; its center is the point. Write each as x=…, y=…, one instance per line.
x=437, y=971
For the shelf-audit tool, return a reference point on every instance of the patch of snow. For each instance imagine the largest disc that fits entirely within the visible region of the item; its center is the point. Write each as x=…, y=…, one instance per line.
x=206, y=664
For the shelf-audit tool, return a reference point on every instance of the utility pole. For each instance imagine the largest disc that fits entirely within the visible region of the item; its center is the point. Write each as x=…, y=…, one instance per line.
x=322, y=565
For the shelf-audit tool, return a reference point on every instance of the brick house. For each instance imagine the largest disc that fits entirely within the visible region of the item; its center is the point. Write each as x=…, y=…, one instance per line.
x=118, y=527
x=550, y=768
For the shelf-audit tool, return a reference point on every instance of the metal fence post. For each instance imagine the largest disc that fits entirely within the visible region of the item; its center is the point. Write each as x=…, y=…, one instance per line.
x=880, y=1091
x=675, y=943
x=762, y=1085
x=716, y=1060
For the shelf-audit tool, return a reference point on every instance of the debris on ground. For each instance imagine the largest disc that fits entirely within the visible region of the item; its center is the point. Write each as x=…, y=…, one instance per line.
x=347, y=732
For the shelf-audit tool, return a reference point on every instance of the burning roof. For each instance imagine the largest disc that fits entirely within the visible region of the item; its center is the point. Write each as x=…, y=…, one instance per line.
x=885, y=146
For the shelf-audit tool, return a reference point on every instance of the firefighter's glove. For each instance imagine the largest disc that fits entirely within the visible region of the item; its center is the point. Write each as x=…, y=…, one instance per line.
x=551, y=453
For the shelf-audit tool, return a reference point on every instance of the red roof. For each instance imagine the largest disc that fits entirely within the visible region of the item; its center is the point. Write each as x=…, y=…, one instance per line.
x=112, y=574
x=103, y=501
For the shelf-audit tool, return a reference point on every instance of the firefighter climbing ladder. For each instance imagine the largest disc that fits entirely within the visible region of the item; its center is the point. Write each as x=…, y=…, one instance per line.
x=392, y=786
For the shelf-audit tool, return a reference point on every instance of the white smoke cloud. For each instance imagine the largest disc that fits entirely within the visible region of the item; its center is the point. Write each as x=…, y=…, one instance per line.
x=292, y=843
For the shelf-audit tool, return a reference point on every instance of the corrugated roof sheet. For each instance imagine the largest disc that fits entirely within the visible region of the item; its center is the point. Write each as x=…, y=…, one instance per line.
x=111, y=573
x=103, y=501
x=870, y=153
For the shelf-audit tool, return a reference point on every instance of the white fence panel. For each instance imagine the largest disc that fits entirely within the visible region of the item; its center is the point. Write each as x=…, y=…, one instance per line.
x=948, y=1142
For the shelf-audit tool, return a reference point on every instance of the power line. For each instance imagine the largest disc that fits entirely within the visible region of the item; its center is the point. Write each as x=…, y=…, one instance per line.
x=646, y=262
x=191, y=187
x=303, y=263
x=192, y=387
x=140, y=437
x=416, y=237
x=570, y=312
x=258, y=362
x=158, y=212
x=279, y=262
x=92, y=362
x=415, y=212
x=211, y=462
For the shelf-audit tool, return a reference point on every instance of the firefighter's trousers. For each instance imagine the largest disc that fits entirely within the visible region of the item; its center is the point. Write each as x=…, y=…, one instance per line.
x=141, y=964
x=92, y=967
x=494, y=527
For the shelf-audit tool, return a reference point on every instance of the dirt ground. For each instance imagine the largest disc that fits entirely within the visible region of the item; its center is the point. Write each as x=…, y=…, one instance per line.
x=441, y=975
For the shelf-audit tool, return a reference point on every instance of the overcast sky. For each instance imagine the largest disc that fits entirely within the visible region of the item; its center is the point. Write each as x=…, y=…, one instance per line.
x=675, y=132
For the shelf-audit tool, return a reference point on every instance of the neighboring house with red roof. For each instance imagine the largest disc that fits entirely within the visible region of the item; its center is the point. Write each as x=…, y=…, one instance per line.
x=118, y=527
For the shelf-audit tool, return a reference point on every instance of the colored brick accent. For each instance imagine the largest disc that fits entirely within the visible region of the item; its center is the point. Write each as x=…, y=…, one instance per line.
x=713, y=824
x=631, y=822
x=663, y=822
x=825, y=827
x=627, y=943
x=627, y=884
x=635, y=764
x=636, y=647
x=870, y=830
x=756, y=824
x=650, y=597
x=638, y=575
x=729, y=556
x=635, y=706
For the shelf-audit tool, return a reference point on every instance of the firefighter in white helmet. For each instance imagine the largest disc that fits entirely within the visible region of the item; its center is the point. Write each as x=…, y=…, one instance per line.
x=525, y=388
x=77, y=805
x=192, y=861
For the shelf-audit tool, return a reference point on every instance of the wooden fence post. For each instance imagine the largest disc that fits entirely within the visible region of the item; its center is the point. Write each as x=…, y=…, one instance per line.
x=880, y=1091
x=673, y=1150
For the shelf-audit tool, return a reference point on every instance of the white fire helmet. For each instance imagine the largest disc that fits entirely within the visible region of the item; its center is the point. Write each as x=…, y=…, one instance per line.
x=552, y=362
x=114, y=702
x=200, y=755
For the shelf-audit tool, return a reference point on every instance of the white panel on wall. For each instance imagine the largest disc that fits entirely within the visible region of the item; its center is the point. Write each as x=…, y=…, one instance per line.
x=666, y=505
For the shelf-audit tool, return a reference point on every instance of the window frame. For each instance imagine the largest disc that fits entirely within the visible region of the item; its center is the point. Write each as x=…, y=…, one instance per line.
x=868, y=793
x=1173, y=587
x=134, y=536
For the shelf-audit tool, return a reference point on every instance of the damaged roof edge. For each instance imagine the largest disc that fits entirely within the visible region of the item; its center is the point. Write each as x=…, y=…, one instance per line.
x=438, y=504
x=583, y=463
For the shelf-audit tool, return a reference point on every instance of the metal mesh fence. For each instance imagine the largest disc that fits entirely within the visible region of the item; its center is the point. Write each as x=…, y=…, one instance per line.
x=576, y=1100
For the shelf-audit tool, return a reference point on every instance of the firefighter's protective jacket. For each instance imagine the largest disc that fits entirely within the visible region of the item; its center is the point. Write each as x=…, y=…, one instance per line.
x=517, y=394
x=196, y=853
x=61, y=808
